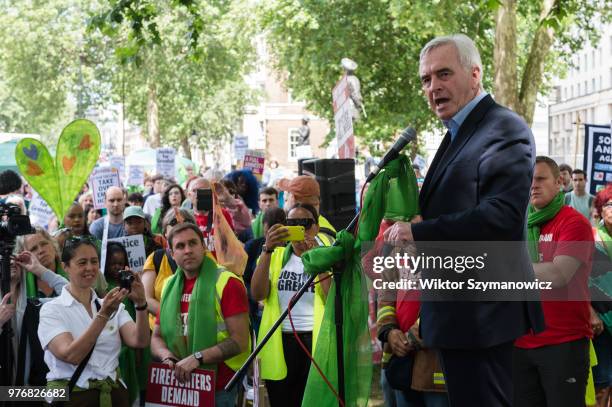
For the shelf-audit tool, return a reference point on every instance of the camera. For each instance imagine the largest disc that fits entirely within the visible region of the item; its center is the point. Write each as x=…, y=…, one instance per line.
x=126, y=278
x=13, y=223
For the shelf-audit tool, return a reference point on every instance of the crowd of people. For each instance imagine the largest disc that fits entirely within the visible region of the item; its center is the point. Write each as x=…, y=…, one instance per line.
x=77, y=323
x=68, y=307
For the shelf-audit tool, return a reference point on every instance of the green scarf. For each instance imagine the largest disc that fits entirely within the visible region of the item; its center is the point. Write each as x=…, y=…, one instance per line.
x=257, y=226
x=156, y=225
x=536, y=218
x=201, y=320
x=393, y=194
x=105, y=387
x=605, y=245
x=32, y=288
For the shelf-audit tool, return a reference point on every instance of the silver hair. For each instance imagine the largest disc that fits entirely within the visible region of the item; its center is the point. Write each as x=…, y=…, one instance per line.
x=469, y=56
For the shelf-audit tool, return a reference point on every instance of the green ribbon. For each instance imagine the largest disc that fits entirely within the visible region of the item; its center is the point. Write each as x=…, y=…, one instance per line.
x=393, y=195
x=537, y=217
x=201, y=319
x=32, y=287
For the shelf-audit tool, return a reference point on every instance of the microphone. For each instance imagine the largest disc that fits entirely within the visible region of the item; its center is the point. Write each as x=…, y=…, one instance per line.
x=407, y=135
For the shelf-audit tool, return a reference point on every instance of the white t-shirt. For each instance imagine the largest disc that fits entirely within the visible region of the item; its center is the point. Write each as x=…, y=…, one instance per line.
x=152, y=203
x=66, y=314
x=291, y=279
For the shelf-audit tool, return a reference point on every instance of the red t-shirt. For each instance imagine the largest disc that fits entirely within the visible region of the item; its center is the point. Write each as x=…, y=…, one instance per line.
x=568, y=233
x=233, y=302
x=202, y=222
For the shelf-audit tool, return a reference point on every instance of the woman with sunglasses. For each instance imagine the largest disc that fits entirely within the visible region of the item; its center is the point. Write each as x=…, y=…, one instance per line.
x=277, y=278
x=159, y=265
x=78, y=326
x=172, y=197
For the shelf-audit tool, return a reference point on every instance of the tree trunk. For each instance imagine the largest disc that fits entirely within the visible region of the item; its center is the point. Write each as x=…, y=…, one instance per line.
x=153, y=117
x=186, y=146
x=532, y=75
x=504, y=55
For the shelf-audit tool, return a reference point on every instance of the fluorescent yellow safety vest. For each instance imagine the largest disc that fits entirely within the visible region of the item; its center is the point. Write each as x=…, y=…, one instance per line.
x=273, y=366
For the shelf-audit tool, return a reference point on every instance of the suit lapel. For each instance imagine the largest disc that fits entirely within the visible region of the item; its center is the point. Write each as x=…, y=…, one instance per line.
x=432, y=168
x=446, y=153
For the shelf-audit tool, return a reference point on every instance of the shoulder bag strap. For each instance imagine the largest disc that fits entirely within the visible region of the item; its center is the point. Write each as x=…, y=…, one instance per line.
x=81, y=366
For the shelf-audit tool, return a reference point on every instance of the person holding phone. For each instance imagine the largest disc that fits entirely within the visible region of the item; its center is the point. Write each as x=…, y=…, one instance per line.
x=79, y=328
x=279, y=275
x=200, y=195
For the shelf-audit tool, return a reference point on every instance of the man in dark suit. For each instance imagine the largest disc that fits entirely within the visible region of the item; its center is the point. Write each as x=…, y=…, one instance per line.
x=476, y=189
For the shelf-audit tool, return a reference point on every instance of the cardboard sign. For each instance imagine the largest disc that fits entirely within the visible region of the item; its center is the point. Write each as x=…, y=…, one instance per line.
x=136, y=175
x=165, y=162
x=118, y=162
x=102, y=179
x=597, y=157
x=134, y=245
x=343, y=120
x=164, y=390
x=241, y=143
x=40, y=212
x=255, y=159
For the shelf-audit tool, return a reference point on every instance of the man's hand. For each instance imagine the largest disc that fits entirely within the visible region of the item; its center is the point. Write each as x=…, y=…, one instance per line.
x=596, y=323
x=398, y=342
x=30, y=262
x=399, y=232
x=183, y=369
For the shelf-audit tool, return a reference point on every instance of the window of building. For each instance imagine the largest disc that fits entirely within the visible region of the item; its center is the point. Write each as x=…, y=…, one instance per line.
x=593, y=59
x=586, y=87
x=593, y=85
x=294, y=136
x=578, y=90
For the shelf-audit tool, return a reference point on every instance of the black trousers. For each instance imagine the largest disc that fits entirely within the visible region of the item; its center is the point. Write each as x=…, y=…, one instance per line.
x=478, y=377
x=290, y=391
x=551, y=376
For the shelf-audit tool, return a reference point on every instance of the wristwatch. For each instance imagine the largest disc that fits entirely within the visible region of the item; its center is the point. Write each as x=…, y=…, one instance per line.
x=264, y=248
x=198, y=355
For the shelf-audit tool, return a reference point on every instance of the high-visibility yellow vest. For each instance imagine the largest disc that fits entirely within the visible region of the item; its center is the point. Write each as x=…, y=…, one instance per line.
x=273, y=366
x=223, y=277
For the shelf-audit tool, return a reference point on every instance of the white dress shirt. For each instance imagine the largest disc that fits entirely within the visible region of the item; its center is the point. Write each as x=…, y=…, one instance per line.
x=66, y=314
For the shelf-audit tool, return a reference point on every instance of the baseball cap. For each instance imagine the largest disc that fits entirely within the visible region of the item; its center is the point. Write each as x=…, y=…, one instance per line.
x=302, y=187
x=133, y=211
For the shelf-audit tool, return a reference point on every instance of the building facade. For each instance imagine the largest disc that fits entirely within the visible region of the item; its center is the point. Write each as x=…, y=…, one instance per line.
x=584, y=96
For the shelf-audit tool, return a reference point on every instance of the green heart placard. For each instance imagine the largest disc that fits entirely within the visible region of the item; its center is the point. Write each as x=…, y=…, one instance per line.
x=59, y=182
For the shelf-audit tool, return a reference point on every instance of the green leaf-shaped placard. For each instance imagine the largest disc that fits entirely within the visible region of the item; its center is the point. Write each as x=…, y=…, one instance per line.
x=78, y=150
x=37, y=167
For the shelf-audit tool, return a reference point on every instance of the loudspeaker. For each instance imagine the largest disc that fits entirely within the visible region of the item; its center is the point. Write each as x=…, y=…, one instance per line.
x=336, y=179
x=301, y=164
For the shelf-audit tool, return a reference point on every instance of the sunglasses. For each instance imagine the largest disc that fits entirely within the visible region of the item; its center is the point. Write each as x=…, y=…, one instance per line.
x=306, y=222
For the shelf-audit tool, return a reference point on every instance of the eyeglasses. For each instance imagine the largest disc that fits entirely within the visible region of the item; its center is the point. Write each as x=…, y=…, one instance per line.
x=306, y=222
x=74, y=240
x=607, y=205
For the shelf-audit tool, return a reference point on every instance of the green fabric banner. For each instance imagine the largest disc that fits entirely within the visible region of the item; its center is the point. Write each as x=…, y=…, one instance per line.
x=393, y=194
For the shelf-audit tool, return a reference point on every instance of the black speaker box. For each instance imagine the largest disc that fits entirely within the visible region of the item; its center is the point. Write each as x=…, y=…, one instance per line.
x=336, y=179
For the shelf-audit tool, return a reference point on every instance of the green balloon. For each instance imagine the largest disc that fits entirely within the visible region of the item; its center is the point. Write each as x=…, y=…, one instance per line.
x=37, y=167
x=59, y=182
x=78, y=150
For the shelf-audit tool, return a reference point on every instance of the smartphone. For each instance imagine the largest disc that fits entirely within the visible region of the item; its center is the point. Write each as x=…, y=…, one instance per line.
x=296, y=233
x=204, y=200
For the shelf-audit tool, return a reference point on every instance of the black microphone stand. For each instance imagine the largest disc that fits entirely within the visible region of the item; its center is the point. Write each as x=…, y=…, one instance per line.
x=338, y=312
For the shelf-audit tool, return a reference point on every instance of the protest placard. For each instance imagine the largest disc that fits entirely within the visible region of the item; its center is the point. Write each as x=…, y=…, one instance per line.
x=40, y=213
x=597, y=157
x=254, y=160
x=134, y=245
x=241, y=143
x=165, y=161
x=163, y=388
x=102, y=178
x=118, y=162
x=136, y=175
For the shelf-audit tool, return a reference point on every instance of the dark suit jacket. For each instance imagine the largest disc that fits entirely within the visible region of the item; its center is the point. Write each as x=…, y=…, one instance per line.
x=477, y=189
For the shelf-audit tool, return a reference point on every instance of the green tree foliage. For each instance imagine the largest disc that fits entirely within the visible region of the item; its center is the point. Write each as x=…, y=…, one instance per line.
x=197, y=77
x=49, y=70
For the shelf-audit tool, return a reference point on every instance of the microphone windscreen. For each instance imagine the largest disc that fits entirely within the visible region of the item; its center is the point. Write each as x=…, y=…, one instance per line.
x=10, y=181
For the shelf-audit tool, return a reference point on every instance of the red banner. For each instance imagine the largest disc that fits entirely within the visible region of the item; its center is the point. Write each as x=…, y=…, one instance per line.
x=163, y=389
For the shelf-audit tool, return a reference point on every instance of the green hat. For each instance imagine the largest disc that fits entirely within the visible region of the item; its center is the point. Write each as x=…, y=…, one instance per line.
x=133, y=211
